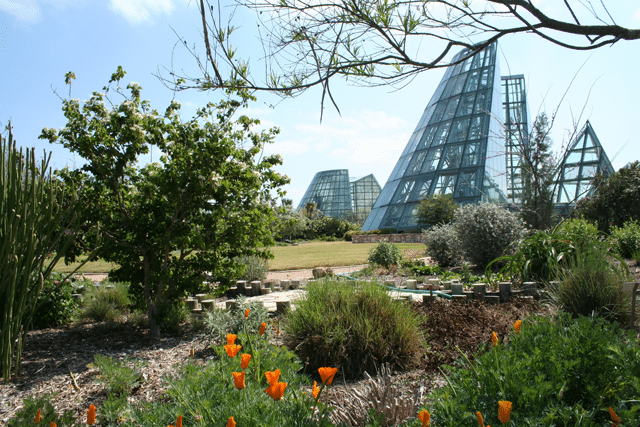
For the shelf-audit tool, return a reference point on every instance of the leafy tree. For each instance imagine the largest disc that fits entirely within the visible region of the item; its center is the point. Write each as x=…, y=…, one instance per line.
x=290, y=224
x=167, y=223
x=538, y=172
x=615, y=200
x=381, y=42
x=436, y=209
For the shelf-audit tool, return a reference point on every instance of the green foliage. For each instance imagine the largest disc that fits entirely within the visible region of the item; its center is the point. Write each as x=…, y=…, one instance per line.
x=117, y=376
x=557, y=371
x=171, y=315
x=385, y=254
x=255, y=267
x=106, y=303
x=354, y=328
x=436, y=209
x=426, y=270
x=615, y=200
x=37, y=218
x=218, y=323
x=486, y=231
x=206, y=202
x=590, y=286
x=55, y=305
x=289, y=224
x=579, y=231
x=48, y=414
x=626, y=240
x=443, y=245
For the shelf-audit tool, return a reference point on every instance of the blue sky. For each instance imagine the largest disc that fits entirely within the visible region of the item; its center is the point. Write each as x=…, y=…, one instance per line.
x=41, y=40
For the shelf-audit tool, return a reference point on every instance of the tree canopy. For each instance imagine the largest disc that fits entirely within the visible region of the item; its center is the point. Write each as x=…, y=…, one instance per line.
x=377, y=42
x=206, y=202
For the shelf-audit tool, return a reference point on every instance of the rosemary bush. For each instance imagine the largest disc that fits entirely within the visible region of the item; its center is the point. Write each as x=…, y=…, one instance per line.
x=385, y=254
x=356, y=328
x=443, y=245
x=219, y=322
x=557, y=371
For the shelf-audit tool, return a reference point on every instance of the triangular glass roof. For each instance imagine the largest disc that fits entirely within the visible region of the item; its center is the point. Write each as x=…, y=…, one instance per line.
x=457, y=147
x=584, y=159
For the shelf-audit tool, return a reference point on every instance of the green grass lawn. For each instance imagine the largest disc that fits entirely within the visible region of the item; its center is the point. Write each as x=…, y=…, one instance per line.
x=304, y=255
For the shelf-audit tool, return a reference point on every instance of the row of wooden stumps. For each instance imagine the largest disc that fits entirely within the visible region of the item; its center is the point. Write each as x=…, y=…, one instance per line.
x=479, y=291
x=256, y=288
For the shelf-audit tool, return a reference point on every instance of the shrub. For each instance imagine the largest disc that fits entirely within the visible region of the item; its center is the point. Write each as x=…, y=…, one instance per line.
x=485, y=231
x=443, y=245
x=255, y=268
x=579, y=231
x=117, y=377
x=106, y=304
x=626, y=240
x=27, y=414
x=556, y=371
x=218, y=323
x=55, y=304
x=348, y=236
x=589, y=285
x=436, y=209
x=385, y=254
x=355, y=328
x=171, y=315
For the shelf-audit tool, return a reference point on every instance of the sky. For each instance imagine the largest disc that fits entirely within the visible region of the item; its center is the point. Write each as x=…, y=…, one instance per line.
x=41, y=40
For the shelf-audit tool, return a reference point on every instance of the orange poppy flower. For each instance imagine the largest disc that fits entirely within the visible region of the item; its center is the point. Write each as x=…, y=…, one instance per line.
x=246, y=313
x=238, y=380
x=615, y=418
x=91, y=415
x=425, y=417
x=504, y=411
x=516, y=326
x=232, y=349
x=276, y=391
x=53, y=424
x=480, y=419
x=179, y=421
x=38, y=417
x=494, y=339
x=231, y=339
x=231, y=422
x=327, y=375
x=263, y=327
x=315, y=390
x=245, y=360
x=272, y=376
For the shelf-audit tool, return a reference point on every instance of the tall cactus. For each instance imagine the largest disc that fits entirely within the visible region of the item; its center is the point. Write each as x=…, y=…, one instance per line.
x=34, y=223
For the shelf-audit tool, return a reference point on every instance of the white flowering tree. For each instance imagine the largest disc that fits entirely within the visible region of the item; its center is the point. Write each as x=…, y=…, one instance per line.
x=197, y=209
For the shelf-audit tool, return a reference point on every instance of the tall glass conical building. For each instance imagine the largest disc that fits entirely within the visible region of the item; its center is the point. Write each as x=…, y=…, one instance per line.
x=516, y=126
x=457, y=147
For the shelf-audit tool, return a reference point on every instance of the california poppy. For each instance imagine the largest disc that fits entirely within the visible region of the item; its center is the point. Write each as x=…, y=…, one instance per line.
x=272, y=376
x=232, y=349
x=516, y=326
x=327, y=375
x=504, y=411
x=238, y=380
x=231, y=422
x=38, y=417
x=480, y=419
x=245, y=360
x=425, y=417
x=315, y=390
x=494, y=339
x=615, y=418
x=179, y=421
x=231, y=339
x=246, y=313
x=91, y=415
x=263, y=327
x=276, y=391
x=53, y=424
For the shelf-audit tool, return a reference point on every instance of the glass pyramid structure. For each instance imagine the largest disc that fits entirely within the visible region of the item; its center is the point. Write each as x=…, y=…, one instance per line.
x=339, y=197
x=584, y=159
x=516, y=127
x=457, y=147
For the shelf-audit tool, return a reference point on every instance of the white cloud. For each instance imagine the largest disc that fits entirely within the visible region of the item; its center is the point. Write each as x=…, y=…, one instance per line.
x=141, y=11
x=29, y=11
x=636, y=16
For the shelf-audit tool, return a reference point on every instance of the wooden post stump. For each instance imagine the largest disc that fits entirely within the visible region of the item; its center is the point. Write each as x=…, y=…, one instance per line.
x=505, y=291
x=411, y=284
x=283, y=306
x=479, y=290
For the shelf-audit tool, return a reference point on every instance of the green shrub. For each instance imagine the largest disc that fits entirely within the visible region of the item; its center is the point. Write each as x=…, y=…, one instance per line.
x=485, y=231
x=589, y=285
x=106, y=304
x=31, y=404
x=385, y=255
x=171, y=316
x=436, y=209
x=117, y=377
x=626, y=240
x=355, y=328
x=443, y=245
x=55, y=305
x=255, y=268
x=579, y=231
x=556, y=372
x=218, y=322
x=348, y=236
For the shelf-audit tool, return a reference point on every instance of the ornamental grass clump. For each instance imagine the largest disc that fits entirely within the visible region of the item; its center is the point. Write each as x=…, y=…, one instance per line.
x=554, y=371
x=357, y=328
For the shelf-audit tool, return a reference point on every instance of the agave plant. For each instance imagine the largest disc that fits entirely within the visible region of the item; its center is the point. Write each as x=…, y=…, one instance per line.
x=36, y=219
